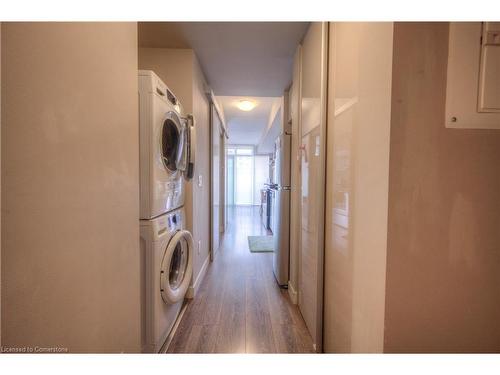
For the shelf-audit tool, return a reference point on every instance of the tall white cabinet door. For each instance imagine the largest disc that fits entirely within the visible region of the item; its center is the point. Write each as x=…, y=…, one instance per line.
x=357, y=183
x=310, y=246
x=313, y=93
x=294, y=117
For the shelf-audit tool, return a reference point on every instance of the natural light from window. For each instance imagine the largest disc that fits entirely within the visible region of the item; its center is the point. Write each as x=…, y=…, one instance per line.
x=246, y=175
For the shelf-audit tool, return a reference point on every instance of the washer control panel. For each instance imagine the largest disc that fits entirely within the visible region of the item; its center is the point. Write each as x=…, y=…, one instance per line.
x=170, y=222
x=174, y=221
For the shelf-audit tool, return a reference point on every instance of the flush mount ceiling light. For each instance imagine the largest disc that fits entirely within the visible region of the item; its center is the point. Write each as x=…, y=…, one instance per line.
x=246, y=105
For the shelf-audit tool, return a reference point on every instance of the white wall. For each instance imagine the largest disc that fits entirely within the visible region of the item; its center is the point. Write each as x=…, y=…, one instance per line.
x=70, y=186
x=273, y=128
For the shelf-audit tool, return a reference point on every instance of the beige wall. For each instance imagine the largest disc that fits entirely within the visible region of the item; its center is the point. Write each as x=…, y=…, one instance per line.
x=359, y=118
x=181, y=72
x=443, y=253
x=174, y=67
x=70, y=241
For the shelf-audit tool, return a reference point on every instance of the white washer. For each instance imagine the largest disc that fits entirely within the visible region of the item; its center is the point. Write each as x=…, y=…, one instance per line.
x=165, y=153
x=166, y=271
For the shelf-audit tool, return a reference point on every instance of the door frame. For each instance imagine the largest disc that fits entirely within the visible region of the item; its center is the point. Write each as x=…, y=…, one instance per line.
x=222, y=202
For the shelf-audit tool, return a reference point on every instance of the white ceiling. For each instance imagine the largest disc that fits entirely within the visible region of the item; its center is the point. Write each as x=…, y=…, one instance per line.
x=238, y=58
x=246, y=128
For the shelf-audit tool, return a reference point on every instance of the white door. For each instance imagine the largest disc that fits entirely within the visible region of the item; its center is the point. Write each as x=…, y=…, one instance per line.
x=313, y=131
x=217, y=181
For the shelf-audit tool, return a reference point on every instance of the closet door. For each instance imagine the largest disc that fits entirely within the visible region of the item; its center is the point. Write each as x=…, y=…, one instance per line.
x=294, y=117
x=357, y=183
x=313, y=124
x=217, y=204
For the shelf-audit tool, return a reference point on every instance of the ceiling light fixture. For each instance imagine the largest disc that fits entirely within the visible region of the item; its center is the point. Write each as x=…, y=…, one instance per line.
x=246, y=105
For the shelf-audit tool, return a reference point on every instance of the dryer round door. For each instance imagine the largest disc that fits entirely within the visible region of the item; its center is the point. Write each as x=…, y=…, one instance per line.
x=172, y=142
x=177, y=267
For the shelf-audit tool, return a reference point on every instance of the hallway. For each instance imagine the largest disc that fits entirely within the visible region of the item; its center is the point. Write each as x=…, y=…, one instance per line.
x=240, y=308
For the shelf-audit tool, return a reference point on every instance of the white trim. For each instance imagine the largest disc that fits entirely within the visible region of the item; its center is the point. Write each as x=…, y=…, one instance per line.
x=292, y=292
x=193, y=289
x=218, y=109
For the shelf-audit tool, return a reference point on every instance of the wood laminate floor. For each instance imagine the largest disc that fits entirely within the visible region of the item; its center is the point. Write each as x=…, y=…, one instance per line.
x=239, y=307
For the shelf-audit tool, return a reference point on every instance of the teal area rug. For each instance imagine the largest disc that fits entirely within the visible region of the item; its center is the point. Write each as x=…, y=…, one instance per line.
x=261, y=244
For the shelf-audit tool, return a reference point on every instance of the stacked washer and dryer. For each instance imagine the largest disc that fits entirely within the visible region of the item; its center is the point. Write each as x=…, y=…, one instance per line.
x=166, y=161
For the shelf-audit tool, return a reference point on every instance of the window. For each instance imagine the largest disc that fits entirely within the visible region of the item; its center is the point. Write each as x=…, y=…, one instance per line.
x=245, y=176
x=243, y=192
x=244, y=151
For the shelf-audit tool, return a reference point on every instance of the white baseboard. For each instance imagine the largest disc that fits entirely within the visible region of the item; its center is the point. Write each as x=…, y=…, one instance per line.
x=292, y=292
x=193, y=289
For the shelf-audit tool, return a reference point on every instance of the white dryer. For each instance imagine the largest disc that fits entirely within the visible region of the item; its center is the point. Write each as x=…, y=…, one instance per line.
x=165, y=152
x=167, y=268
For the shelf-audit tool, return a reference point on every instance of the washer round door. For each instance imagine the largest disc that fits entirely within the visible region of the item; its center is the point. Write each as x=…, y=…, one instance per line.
x=172, y=142
x=177, y=267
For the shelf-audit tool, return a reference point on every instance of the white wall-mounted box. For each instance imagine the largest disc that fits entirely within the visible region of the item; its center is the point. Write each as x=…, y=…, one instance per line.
x=489, y=70
x=473, y=78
